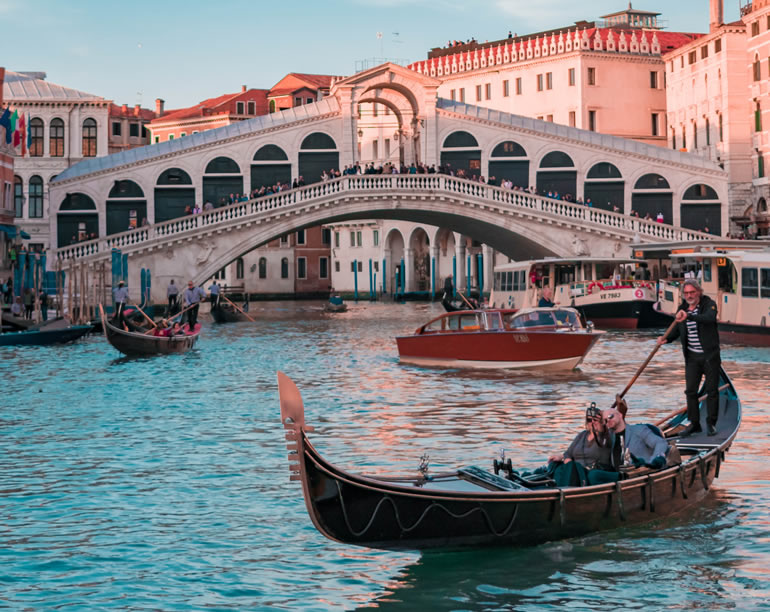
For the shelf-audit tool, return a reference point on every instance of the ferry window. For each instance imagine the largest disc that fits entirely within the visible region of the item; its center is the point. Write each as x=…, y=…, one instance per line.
x=707, y=271
x=498, y=281
x=749, y=282
x=765, y=287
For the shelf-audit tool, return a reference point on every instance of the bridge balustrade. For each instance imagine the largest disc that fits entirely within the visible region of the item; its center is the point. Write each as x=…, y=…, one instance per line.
x=398, y=184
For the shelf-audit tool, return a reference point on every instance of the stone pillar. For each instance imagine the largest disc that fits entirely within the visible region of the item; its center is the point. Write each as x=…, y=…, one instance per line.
x=408, y=269
x=428, y=123
x=489, y=259
x=459, y=282
x=349, y=137
x=435, y=270
x=388, y=275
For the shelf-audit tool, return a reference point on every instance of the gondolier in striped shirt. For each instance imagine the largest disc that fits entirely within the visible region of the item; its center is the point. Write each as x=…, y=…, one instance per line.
x=697, y=330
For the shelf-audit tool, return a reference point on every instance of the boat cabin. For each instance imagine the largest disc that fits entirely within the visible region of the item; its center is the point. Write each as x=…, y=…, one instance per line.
x=520, y=284
x=503, y=320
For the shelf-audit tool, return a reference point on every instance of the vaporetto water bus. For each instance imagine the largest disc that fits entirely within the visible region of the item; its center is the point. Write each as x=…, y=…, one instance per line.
x=610, y=292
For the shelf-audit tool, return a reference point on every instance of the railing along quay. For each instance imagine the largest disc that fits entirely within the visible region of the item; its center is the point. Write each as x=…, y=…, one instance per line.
x=507, y=200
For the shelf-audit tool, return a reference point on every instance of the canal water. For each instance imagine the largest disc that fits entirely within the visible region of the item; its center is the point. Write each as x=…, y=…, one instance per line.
x=163, y=483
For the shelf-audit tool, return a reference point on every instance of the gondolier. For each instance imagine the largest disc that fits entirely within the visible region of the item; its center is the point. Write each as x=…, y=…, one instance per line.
x=172, y=292
x=697, y=330
x=192, y=297
x=120, y=297
x=214, y=290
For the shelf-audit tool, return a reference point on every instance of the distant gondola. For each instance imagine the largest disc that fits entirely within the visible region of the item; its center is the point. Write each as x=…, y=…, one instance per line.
x=225, y=313
x=45, y=337
x=138, y=344
x=473, y=507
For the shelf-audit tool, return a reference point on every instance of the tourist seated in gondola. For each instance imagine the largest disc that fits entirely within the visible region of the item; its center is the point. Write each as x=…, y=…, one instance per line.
x=588, y=459
x=638, y=446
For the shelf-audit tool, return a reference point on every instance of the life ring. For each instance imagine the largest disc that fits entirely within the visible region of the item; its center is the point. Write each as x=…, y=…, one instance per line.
x=639, y=293
x=594, y=284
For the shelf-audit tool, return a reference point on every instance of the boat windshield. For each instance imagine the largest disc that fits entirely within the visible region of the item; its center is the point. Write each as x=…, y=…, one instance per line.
x=551, y=318
x=467, y=321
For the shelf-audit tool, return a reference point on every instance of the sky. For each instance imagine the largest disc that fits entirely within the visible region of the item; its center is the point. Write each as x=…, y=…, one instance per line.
x=187, y=51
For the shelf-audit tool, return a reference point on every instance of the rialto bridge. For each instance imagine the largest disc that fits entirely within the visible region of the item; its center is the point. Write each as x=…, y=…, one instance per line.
x=100, y=196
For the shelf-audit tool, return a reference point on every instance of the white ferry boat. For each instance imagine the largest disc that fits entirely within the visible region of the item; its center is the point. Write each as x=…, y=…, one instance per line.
x=610, y=292
x=737, y=280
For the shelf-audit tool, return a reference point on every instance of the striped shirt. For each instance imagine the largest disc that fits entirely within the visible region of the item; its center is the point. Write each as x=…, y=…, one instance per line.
x=693, y=342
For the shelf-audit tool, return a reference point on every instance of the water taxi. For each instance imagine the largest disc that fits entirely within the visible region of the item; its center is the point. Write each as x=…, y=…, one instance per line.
x=610, y=292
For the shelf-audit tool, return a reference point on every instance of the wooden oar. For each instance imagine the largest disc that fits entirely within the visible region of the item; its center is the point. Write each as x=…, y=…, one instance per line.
x=238, y=308
x=181, y=312
x=145, y=315
x=644, y=365
x=472, y=307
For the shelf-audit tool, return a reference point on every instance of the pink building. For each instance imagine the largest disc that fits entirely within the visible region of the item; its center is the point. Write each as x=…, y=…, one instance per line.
x=605, y=76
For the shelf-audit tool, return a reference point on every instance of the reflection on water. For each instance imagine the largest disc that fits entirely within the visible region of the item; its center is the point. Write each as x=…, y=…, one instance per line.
x=163, y=483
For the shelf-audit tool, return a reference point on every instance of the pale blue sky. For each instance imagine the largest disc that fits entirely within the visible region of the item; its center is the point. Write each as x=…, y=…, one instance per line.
x=186, y=51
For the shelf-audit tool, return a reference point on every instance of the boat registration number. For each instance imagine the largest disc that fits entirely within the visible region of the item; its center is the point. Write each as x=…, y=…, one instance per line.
x=523, y=338
x=610, y=296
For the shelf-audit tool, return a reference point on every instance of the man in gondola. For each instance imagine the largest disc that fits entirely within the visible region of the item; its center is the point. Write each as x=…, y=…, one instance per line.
x=635, y=445
x=120, y=297
x=192, y=297
x=172, y=292
x=214, y=291
x=697, y=330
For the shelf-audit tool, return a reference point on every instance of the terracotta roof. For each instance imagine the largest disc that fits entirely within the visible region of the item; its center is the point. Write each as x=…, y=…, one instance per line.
x=322, y=81
x=214, y=106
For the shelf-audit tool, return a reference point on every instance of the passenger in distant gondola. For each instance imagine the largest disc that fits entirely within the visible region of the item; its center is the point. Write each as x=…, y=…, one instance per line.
x=588, y=459
x=448, y=287
x=214, y=291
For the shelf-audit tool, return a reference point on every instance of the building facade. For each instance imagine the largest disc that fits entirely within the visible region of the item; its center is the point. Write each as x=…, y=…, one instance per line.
x=65, y=127
x=597, y=76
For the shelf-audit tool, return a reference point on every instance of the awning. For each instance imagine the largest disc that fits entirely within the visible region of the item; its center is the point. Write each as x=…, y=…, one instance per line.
x=11, y=231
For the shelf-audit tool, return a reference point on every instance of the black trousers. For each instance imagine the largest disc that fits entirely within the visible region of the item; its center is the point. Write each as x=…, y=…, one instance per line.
x=697, y=367
x=192, y=317
x=171, y=305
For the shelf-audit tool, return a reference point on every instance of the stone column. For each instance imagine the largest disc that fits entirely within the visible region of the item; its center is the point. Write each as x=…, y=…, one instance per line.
x=428, y=123
x=488, y=253
x=459, y=282
x=435, y=270
x=349, y=138
x=387, y=271
x=408, y=269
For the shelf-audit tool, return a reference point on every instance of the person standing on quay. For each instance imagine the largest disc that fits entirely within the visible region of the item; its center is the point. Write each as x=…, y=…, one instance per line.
x=43, y=304
x=214, y=290
x=172, y=293
x=697, y=331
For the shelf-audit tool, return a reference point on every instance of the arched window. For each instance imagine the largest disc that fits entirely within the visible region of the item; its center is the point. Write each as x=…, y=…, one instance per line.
x=509, y=149
x=262, y=267
x=557, y=159
x=126, y=189
x=18, y=196
x=272, y=106
x=222, y=165
x=239, y=268
x=56, y=138
x=758, y=118
x=762, y=206
x=284, y=268
x=35, y=197
x=36, y=137
x=652, y=181
x=174, y=176
x=700, y=192
x=604, y=170
x=270, y=153
x=756, y=68
x=89, y=138
x=460, y=139
x=318, y=140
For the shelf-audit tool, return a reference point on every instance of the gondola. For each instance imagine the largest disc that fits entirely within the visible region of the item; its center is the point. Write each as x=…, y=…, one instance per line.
x=45, y=337
x=453, y=305
x=139, y=344
x=225, y=313
x=474, y=507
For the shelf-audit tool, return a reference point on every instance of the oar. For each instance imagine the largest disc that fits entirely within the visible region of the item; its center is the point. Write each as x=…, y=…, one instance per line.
x=644, y=365
x=472, y=307
x=239, y=308
x=169, y=319
x=145, y=315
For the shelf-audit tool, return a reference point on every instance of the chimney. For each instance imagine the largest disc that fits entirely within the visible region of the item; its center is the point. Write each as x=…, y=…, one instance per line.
x=717, y=15
x=159, y=107
x=243, y=89
x=124, y=109
x=137, y=110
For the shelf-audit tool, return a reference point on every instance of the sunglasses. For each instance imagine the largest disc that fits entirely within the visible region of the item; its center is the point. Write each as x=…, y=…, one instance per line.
x=610, y=417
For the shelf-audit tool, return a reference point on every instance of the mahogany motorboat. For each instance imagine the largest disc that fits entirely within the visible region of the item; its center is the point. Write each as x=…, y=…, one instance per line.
x=475, y=507
x=545, y=338
x=143, y=343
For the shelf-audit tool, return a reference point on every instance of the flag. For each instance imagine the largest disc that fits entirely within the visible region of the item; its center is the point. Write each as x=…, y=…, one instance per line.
x=5, y=121
x=29, y=133
x=14, y=119
x=22, y=132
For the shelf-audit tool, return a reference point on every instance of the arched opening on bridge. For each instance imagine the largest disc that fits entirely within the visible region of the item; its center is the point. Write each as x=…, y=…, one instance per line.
x=701, y=209
x=462, y=154
x=126, y=207
x=270, y=165
x=604, y=187
x=173, y=194
x=394, y=253
x=221, y=179
x=73, y=222
x=508, y=162
x=419, y=243
x=652, y=195
x=557, y=175
x=318, y=152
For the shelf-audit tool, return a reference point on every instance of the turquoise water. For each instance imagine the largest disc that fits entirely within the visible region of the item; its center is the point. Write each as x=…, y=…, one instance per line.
x=163, y=483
